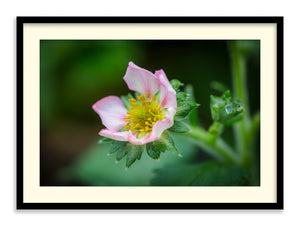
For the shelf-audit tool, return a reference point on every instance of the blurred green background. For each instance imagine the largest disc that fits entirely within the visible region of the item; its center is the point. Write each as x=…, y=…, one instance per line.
x=74, y=74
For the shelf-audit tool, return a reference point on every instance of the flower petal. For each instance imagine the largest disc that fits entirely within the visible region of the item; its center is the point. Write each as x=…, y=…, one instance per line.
x=164, y=124
x=111, y=111
x=167, y=93
x=141, y=80
x=146, y=139
x=120, y=136
x=127, y=136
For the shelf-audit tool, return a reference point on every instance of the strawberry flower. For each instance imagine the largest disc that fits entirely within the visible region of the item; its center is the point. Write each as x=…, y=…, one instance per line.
x=149, y=114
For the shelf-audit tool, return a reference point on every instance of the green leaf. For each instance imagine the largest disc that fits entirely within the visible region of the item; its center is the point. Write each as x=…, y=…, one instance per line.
x=185, y=105
x=224, y=110
x=176, y=84
x=179, y=127
x=205, y=174
x=135, y=152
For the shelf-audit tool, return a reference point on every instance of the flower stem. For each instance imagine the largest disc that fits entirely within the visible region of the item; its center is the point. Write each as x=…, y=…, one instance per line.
x=241, y=128
x=212, y=145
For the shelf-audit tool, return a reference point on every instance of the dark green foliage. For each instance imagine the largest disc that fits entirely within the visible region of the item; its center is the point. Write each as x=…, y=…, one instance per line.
x=206, y=174
x=224, y=110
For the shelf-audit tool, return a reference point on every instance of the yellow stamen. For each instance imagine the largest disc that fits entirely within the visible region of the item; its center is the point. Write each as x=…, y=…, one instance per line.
x=132, y=101
x=143, y=115
x=153, y=97
x=141, y=98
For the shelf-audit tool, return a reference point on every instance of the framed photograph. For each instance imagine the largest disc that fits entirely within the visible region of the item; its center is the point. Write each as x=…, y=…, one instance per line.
x=149, y=113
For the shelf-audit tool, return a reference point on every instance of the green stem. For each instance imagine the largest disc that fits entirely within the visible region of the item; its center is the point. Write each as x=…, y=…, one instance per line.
x=212, y=145
x=240, y=92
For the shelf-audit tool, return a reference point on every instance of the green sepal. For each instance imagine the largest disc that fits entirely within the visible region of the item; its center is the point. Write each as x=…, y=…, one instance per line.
x=179, y=127
x=224, y=110
x=122, y=150
x=165, y=143
x=126, y=101
x=185, y=105
x=175, y=83
x=153, y=150
x=116, y=146
x=106, y=140
x=166, y=137
x=134, y=152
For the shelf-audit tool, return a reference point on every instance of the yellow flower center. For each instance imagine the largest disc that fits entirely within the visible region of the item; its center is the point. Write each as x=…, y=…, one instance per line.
x=143, y=114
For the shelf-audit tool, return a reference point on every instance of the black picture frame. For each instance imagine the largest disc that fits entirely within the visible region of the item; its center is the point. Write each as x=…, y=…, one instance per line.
x=20, y=204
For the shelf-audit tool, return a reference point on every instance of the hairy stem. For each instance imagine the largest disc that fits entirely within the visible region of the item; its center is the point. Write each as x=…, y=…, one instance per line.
x=212, y=145
x=241, y=128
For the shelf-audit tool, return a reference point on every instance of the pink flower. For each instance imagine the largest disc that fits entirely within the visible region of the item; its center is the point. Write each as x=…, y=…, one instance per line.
x=149, y=115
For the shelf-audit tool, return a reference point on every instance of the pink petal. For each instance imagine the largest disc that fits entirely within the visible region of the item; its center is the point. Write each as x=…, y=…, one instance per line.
x=127, y=136
x=111, y=111
x=120, y=136
x=167, y=93
x=164, y=124
x=146, y=139
x=141, y=80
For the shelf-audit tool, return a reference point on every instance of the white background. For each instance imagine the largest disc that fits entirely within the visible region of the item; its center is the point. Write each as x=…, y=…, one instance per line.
x=8, y=12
